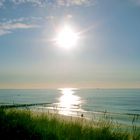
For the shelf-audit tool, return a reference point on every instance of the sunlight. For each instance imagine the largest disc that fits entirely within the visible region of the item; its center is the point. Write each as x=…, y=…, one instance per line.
x=68, y=101
x=67, y=37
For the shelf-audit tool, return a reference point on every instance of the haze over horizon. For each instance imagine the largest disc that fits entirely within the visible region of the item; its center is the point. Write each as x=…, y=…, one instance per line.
x=106, y=54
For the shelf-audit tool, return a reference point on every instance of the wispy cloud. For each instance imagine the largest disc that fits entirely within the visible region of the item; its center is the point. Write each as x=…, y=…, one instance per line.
x=34, y=2
x=74, y=2
x=45, y=3
x=9, y=26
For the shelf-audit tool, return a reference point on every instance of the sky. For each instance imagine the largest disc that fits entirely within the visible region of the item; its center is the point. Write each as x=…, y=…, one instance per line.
x=107, y=54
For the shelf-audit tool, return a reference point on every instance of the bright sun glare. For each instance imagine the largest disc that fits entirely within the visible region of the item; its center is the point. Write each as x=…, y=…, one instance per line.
x=67, y=37
x=68, y=101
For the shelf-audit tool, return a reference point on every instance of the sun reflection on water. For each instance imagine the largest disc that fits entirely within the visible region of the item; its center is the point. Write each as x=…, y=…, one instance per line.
x=68, y=102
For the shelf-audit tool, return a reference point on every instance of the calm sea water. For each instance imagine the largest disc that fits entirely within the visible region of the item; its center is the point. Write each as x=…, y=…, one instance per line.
x=120, y=104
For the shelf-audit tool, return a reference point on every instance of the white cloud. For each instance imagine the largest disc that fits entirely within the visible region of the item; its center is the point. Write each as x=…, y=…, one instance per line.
x=44, y=3
x=35, y=2
x=72, y=2
x=9, y=26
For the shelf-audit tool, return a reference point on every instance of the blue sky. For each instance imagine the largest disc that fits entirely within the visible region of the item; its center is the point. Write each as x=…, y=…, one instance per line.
x=106, y=56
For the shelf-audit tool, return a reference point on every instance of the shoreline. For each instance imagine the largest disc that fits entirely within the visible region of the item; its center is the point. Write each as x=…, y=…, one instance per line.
x=122, y=118
x=8, y=105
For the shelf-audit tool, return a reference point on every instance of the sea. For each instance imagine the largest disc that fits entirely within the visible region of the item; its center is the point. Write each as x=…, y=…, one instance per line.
x=120, y=105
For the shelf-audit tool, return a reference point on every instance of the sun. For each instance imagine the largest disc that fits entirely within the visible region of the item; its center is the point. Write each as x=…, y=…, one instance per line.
x=67, y=37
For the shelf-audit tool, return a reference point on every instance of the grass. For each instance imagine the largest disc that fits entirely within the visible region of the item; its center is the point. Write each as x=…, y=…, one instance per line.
x=26, y=125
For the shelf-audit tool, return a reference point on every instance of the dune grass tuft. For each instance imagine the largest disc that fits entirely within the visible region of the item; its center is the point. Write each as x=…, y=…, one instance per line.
x=21, y=124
